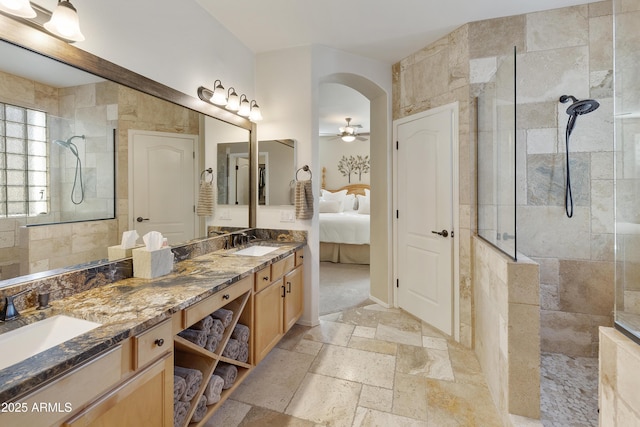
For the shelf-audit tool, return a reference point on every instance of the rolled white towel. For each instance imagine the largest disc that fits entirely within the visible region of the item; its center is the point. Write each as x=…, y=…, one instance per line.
x=203, y=325
x=195, y=336
x=241, y=333
x=201, y=410
x=214, y=389
x=192, y=377
x=179, y=387
x=180, y=410
x=243, y=353
x=227, y=372
x=232, y=349
x=226, y=316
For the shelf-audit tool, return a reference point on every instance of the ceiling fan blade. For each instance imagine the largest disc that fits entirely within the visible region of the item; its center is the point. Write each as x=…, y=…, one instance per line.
x=360, y=138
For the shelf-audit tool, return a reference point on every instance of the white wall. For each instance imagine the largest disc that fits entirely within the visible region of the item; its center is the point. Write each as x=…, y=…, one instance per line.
x=287, y=84
x=331, y=151
x=175, y=43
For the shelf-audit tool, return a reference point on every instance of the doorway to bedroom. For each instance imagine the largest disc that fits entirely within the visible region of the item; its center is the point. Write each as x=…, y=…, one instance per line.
x=344, y=123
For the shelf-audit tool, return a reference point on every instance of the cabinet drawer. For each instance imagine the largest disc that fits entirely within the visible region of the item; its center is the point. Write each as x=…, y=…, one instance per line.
x=70, y=392
x=152, y=343
x=263, y=278
x=279, y=268
x=299, y=257
x=207, y=306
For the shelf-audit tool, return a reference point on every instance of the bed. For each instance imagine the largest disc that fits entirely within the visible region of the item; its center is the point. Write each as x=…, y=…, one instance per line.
x=344, y=231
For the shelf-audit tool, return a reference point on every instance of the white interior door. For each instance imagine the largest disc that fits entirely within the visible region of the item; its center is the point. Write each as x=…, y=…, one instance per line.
x=162, y=188
x=424, y=202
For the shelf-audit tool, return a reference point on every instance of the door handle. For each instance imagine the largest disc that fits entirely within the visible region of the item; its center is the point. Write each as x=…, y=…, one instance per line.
x=140, y=219
x=443, y=233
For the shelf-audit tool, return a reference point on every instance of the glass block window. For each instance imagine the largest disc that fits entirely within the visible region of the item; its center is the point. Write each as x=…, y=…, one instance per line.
x=23, y=162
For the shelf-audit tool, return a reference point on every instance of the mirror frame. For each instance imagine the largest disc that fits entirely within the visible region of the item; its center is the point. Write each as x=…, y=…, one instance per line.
x=24, y=36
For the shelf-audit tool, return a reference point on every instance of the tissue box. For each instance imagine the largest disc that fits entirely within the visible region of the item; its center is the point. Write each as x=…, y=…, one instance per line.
x=117, y=252
x=150, y=264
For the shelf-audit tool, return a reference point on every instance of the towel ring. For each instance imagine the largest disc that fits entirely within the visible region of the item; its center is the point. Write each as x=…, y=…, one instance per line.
x=306, y=169
x=208, y=170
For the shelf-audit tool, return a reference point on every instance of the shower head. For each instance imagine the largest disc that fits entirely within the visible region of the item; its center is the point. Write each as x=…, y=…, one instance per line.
x=579, y=107
x=68, y=144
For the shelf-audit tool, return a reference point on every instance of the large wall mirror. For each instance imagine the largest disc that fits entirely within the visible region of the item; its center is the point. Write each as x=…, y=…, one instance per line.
x=75, y=196
x=276, y=172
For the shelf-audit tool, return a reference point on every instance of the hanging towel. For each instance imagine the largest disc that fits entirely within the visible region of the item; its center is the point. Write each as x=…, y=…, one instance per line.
x=205, y=199
x=180, y=410
x=193, y=377
x=304, y=200
x=201, y=410
x=179, y=387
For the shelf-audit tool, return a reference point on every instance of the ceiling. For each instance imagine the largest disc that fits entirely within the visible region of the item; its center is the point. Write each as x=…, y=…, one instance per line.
x=383, y=30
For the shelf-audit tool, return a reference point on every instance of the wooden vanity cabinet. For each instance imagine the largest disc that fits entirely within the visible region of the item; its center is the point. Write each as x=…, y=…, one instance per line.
x=277, y=306
x=145, y=397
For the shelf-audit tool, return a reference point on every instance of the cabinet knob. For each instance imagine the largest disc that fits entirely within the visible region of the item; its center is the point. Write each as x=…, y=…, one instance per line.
x=225, y=296
x=265, y=278
x=159, y=342
x=301, y=256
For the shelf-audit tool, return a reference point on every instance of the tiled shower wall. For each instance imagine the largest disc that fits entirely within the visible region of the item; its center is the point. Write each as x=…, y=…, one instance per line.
x=562, y=51
x=568, y=51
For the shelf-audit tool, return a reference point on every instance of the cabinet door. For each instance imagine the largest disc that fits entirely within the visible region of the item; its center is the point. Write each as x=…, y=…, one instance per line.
x=268, y=323
x=294, y=297
x=146, y=399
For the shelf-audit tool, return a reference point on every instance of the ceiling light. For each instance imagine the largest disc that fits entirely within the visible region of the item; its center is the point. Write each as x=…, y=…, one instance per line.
x=219, y=96
x=20, y=8
x=64, y=22
x=348, y=138
x=245, y=107
x=233, y=101
x=255, y=115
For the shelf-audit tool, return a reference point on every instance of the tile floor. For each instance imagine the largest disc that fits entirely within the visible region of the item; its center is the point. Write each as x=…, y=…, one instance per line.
x=364, y=366
x=569, y=391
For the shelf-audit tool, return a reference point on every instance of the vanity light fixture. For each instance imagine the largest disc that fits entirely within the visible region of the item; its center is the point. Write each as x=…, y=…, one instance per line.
x=219, y=96
x=255, y=115
x=20, y=8
x=233, y=100
x=64, y=22
x=230, y=101
x=245, y=106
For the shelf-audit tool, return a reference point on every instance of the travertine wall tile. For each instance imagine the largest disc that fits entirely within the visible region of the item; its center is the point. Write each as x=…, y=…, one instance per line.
x=586, y=287
x=557, y=28
x=495, y=37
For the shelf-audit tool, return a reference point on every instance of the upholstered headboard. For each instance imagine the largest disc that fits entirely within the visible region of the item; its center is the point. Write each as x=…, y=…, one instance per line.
x=351, y=188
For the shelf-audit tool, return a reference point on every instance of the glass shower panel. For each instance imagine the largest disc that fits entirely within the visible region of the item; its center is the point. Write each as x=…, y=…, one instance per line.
x=627, y=166
x=497, y=158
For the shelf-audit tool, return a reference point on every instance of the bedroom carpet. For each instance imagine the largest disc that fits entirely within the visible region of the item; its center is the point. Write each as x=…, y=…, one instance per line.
x=343, y=286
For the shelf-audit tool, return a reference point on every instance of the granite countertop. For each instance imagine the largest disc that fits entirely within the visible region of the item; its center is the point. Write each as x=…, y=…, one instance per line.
x=127, y=308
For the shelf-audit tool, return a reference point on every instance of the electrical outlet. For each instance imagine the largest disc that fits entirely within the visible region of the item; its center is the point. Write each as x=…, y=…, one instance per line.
x=287, y=216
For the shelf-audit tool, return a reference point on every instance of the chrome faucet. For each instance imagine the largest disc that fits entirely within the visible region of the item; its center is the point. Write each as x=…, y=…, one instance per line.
x=9, y=312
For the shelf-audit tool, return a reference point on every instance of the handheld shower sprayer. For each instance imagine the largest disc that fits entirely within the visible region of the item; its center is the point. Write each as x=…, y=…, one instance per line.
x=78, y=174
x=577, y=108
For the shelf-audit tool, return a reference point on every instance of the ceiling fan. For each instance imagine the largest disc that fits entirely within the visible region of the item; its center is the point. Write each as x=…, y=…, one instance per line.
x=349, y=133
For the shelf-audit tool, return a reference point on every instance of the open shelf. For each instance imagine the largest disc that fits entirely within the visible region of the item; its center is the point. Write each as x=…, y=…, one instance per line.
x=190, y=355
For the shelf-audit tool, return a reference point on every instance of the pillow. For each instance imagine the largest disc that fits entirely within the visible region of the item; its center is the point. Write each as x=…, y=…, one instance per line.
x=329, y=206
x=367, y=192
x=338, y=196
x=349, y=202
x=364, y=206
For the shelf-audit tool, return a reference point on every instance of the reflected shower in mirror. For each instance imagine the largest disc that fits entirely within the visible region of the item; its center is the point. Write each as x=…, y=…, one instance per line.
x=276, y=172
x=60, y=211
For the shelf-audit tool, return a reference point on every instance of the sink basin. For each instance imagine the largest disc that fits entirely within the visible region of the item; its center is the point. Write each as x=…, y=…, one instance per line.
x=256, y=250
x=35, y=338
